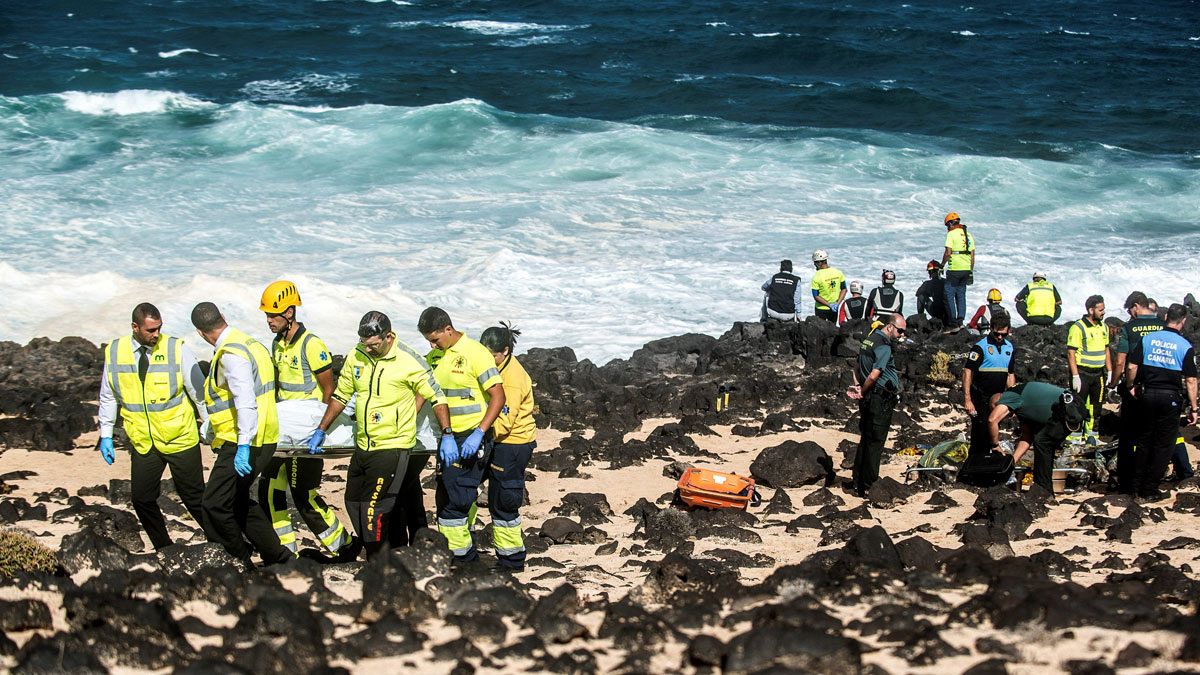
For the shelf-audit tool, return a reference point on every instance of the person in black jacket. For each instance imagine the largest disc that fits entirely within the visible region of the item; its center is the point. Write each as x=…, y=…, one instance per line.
x=931, y=296
x=782, y=299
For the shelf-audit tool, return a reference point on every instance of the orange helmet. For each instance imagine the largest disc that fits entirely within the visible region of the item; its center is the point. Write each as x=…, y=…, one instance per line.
x=278, y=296
x=951, y=217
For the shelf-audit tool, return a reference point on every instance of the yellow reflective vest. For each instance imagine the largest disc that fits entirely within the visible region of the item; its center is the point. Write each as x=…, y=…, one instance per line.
x=1090, y=342
x=156, y=413
x=515, y=423
x=961, y=246
x=386, y=408
x=1040, y=299
x=222, y=415
x=466, y=370
x=297, y=364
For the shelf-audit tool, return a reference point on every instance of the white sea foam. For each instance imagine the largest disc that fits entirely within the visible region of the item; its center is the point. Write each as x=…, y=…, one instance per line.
x=964, y=33
x=180, y=52
x=297, y=87
x=507, y=27
x=128, y=102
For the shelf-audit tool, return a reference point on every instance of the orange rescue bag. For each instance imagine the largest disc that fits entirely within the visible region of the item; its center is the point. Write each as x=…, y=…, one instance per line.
x=716, y=490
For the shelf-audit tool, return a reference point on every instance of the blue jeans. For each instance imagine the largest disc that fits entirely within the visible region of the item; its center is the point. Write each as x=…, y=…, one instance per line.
x=956, y=298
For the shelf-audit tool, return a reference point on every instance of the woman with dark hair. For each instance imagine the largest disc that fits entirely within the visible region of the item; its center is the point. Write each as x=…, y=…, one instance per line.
x=515, y=433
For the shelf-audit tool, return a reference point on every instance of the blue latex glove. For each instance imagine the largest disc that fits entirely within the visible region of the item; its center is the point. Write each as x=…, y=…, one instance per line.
x=315, y=442
x=470, y=447
x=241, y=461
x=448, y=449
x=106, y=450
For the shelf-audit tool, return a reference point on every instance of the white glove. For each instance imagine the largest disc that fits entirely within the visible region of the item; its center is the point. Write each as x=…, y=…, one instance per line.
x=1076, y=383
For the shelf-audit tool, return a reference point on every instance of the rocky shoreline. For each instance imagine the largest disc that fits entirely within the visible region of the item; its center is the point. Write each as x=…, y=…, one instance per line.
x=920, y=577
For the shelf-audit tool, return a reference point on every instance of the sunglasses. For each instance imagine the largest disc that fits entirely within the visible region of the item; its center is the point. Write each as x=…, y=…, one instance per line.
x=901, y=331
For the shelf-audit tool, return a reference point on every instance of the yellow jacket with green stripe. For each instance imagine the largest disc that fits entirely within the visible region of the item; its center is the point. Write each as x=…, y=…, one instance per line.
x=466, y=370
x=516, y=424
x=387, y=389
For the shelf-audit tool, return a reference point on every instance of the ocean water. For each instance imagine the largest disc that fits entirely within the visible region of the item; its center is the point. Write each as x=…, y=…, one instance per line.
x=598, y=174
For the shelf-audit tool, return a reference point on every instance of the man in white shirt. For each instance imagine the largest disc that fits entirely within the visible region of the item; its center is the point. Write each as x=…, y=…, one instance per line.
x=152, y=380
x=239, y=394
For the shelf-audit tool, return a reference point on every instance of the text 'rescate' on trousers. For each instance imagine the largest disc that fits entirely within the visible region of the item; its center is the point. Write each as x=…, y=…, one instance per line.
x=874, y=420
x=457, y=487
x=1159, y=416
x=231, y=516
x=145, y=479
x=372, y=483
x=301, y=477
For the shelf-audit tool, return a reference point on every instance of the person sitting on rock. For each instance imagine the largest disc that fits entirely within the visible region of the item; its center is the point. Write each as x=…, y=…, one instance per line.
x=855, y=307
x=886, y=299
x=982, y=320
x=931, y=295
x=1039, y=302
x=781, y=301
x=1047, y=415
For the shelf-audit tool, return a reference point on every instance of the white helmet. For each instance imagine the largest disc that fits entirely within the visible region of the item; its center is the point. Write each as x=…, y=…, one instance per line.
x=820, y=255
x=856, y=287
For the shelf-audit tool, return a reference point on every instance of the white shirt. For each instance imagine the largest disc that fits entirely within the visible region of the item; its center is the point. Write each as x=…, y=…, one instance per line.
x=193, y=384
x=236, y=375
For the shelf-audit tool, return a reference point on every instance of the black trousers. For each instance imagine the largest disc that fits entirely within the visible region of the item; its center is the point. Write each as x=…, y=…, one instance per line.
x=981, y=433
x=1159, y=417
x=826, y=313
x=1127, y=443
x=457, y=488
x=505, y=476
x=145, y=478
x=300, y=477
x=1048, y=438
x=231, y=516
x=874, y=420
x=411, y=506
x=373, y=482
x=1091, y=391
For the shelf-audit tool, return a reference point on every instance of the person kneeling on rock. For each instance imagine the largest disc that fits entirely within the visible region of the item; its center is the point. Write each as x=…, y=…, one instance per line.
x=1048, y=414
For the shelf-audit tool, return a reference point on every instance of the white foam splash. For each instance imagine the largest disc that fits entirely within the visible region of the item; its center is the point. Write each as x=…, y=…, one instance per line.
x=128, y=102
x=297, y=87
x=180, y=52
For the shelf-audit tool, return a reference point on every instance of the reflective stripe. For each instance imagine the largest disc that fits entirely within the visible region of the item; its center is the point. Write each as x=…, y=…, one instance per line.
x=156, y=407
x=433, y=383
x=487, y=375
x=465, y=409
x=509, y=551
x=117, y=368
x=459, y=393
x=452, y=522
x=507, y=523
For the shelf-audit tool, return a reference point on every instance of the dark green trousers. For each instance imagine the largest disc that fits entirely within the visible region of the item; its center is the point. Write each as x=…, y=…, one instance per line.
x=874, y=420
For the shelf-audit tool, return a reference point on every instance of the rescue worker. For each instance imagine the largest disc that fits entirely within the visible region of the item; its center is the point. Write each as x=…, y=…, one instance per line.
x=468, y=375
x=1162, y=370
x=515, y=434
x=886, y=299
x=1142, y=322
x=877, y=389
x=855, y=307
x=1047, y=414
x=782, y=299
x=389, y=382
x=983, y=317
x=154, y=380
x=990, y=370
x=828, y=286
x=1090, y=364
x=958, y=260
x=239, y=393
x=931, y=295
x=303, y=371
x=1039, y=302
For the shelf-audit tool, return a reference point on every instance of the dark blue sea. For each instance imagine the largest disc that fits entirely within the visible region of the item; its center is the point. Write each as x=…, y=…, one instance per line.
x=600, y=173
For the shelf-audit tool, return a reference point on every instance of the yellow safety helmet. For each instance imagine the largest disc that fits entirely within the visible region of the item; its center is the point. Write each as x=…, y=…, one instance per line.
x=994, y=295
x=278, y=296
x=952, y=216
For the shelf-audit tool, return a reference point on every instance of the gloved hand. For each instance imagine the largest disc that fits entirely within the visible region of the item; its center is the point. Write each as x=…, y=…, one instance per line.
x=470, y=447
x=106, y=450
x=448, y=449
x=315, y=441
x=1076, y=383
x=241, y=461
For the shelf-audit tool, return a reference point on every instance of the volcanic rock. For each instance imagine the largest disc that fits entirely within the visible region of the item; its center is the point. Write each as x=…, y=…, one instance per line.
x=792, y=464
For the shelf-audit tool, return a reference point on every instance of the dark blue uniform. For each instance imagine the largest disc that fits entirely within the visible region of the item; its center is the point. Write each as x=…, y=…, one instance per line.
x=1164, y=358
x=990, y=362
x=1131, y=334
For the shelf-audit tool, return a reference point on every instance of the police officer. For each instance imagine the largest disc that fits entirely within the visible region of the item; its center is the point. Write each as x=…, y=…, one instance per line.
x=958, y=259
x=931, y=294
x=389, y=382
x=1039, y=302
x=1142, y=322
x=239, y=393
x=1162, y=369
x=876, y=388
x=154, y=380
x=855, y=307
x=782, y=299
x=1047, y=415
x=473, y=387
x=303, y=371
x=990, y=370
x=1089, y=361
x=828, y=286
x=886, y=299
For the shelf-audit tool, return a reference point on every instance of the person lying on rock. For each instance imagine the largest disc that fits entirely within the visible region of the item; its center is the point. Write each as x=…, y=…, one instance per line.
x=1048, y=414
